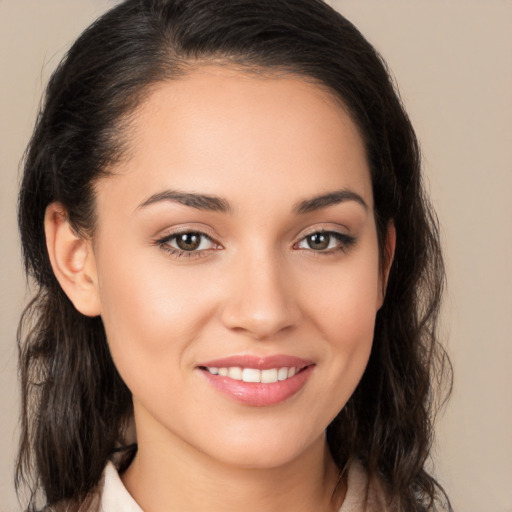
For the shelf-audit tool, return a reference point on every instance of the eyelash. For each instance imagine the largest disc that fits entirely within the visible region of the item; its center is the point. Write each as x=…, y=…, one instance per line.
x=345, y=242
x=164, y=244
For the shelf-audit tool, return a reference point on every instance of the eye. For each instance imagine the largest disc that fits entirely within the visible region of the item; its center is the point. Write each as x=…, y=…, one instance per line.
x=187, y=243
x=326, y=241
x=190, y=242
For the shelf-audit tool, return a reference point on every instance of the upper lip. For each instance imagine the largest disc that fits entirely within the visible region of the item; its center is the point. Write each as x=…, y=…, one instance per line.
x=258, y=362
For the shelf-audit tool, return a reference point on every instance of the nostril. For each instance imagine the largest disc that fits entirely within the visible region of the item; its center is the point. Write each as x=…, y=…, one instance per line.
x=257, y=321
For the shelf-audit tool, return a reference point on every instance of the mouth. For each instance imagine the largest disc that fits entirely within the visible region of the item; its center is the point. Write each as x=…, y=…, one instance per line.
x=268, y=376
x=258, y=381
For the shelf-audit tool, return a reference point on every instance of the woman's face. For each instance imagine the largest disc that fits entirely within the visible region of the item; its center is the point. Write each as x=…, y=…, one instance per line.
x=237, y=241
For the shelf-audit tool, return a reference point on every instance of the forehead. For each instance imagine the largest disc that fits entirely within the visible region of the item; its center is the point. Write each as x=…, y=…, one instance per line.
x=224, y=132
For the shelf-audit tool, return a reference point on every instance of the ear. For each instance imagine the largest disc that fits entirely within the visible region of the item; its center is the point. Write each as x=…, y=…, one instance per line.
x=72, y=260
x=387, y=261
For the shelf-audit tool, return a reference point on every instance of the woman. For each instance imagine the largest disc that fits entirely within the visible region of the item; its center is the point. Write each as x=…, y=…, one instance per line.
x=222, y=208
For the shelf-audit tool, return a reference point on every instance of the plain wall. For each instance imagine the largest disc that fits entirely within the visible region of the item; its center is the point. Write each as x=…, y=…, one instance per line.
x=453, y=64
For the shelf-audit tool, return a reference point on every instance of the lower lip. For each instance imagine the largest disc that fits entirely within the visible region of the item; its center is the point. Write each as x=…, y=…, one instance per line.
x=257, y=394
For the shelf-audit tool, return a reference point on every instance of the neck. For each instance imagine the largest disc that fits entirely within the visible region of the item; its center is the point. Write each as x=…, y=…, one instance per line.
x=168, y=474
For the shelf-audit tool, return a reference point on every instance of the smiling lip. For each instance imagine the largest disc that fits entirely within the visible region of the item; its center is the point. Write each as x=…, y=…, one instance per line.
x=259, y=394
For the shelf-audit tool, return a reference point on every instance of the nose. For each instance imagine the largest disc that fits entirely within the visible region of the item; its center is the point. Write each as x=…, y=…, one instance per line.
x=260, y=298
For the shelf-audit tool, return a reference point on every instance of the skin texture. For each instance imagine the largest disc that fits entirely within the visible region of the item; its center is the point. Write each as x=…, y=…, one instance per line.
x=263, y=144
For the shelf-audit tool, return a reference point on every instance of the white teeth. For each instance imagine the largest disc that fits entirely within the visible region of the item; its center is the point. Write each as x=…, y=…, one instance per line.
x=268, y=376
x=251, y=375
x=235, y=373
x=282, y=374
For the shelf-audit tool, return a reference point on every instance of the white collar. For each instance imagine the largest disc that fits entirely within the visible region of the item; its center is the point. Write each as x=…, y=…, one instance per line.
x=115, y=497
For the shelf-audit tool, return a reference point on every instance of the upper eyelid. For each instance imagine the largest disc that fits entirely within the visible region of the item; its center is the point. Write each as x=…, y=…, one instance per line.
x=324, y=232
x=183, y=232
x=179, y=230
x=171, y=236
x=340, y=230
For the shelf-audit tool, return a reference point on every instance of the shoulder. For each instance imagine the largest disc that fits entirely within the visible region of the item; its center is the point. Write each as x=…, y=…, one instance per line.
x=364, y=494
x=114, y=496
x=110, y=495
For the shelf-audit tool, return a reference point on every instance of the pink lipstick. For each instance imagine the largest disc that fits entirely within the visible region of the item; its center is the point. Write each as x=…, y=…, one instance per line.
x=258, y=381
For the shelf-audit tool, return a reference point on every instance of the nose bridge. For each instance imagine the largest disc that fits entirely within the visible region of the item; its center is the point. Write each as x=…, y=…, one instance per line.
x=260, y=301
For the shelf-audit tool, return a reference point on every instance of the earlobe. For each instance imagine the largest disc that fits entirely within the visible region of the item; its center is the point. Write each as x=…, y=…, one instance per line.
x=72, y=261
x=388, y=256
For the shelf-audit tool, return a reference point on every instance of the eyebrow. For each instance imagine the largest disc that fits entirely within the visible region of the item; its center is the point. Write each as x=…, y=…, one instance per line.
x=198, y=201
x=329, y=199
x=218, y=204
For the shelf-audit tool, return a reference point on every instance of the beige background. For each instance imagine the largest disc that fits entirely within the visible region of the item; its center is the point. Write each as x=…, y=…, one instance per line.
x=453, y=62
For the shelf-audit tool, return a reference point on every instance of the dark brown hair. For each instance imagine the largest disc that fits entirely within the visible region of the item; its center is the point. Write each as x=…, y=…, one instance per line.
x=75, y=405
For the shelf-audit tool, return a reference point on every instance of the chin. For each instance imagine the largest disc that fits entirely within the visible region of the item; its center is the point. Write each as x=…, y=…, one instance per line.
x=266, y=450
x=262, y=459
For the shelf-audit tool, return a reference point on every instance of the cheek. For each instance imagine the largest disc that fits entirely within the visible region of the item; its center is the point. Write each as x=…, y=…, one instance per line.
x=150, y=314
x=345, y=315
x=345, y=305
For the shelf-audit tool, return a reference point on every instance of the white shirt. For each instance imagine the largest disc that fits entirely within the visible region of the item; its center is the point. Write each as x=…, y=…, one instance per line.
x=115, y=497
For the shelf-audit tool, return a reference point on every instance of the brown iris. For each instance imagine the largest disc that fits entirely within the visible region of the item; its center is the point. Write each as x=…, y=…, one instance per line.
x=188, y=241
x=319, y=241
